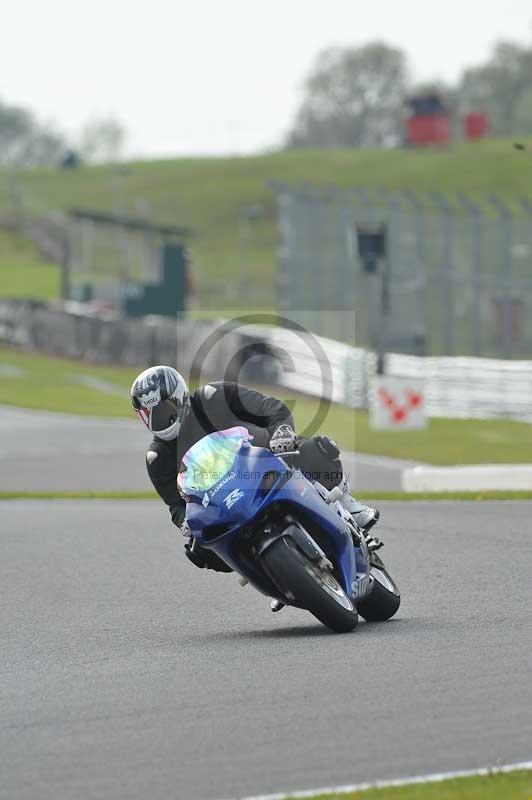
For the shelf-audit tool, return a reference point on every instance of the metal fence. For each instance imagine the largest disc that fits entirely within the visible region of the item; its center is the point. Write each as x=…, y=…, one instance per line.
x=456, y=278
x=105, y=257
x=111, y=256
x=96, y=258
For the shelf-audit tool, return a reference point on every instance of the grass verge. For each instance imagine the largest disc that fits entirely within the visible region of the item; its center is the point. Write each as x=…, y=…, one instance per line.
x=445, y=442
x=151, y=495
x=41, y=382
x=471, y=496
x=498, y=786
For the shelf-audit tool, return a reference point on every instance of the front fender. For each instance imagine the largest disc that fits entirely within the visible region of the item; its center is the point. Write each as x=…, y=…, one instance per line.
x=301, y=537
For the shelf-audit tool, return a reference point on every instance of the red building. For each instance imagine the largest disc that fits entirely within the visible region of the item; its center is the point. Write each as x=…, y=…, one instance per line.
x=475, y=126
x=428, y=122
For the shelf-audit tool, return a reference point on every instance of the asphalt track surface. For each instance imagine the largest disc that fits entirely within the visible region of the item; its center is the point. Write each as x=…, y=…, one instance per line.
x=127, y=673
x=42, y=451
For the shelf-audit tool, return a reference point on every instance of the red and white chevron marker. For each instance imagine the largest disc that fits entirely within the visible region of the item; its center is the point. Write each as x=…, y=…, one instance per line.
x=397, y=403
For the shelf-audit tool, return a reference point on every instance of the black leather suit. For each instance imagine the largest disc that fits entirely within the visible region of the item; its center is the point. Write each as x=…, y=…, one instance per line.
x=222, y=405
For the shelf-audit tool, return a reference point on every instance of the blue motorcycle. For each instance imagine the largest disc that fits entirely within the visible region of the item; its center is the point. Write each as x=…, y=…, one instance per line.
x=288, y=537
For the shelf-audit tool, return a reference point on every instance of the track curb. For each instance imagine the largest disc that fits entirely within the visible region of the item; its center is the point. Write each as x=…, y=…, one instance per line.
x=476, y=477
x=437, y=777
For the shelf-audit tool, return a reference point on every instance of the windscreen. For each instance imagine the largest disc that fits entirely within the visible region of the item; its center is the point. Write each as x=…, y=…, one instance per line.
x=210, y=459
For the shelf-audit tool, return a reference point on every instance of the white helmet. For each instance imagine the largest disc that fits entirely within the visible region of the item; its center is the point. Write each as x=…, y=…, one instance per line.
x=160, y=398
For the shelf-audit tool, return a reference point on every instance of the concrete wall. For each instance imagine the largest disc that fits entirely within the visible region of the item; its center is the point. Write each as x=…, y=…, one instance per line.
x=73, y=330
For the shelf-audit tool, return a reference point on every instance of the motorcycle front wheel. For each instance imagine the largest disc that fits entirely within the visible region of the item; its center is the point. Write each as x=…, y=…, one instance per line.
x=384, y=599
x=310, y=586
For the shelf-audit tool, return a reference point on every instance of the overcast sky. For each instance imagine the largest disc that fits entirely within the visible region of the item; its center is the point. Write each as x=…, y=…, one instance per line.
x=218, y=76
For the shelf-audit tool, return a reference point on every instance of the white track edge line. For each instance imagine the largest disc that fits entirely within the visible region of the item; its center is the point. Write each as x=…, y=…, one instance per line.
x=436, y=777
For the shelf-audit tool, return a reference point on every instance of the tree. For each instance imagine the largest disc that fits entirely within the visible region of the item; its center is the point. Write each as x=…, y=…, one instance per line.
x=24, y=142
x=102, y=140
x=353, y=98
x=501, y=88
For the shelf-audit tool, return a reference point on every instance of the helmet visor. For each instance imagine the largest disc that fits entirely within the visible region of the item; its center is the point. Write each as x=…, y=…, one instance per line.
x=165, y=413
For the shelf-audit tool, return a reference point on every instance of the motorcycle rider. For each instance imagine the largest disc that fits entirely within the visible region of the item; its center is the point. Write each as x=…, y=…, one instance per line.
x=178, y=419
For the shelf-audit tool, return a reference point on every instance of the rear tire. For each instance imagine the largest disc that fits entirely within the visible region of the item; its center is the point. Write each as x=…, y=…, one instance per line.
x=381, y=603
x=312, y=589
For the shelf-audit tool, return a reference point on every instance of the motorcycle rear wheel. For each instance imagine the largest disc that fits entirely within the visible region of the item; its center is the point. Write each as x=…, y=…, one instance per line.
x=312, y=588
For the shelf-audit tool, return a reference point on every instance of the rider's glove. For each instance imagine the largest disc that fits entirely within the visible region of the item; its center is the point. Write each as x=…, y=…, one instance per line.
x=178, y=513
x=283, y=440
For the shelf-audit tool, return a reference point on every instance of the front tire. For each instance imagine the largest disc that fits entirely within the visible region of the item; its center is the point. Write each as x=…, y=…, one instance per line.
x=384, y=599
x=311, y=588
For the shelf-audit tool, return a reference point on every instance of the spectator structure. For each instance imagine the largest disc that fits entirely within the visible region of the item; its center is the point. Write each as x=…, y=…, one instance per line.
x=428, y=122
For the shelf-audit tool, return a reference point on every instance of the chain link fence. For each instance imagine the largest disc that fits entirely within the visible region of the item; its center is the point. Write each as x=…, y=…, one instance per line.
x=456, y=278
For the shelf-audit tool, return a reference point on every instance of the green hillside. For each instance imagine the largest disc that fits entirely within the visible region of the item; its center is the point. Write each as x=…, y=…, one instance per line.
x=22, y=272
x=210, y=194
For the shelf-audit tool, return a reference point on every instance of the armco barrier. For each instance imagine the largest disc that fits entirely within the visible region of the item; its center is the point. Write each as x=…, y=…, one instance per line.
x=71, y=330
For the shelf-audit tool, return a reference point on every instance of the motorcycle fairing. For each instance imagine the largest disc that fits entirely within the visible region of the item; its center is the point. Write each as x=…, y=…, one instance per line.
x=255, y=480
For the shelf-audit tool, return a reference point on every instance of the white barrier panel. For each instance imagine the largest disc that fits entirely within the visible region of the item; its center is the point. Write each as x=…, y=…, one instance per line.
x=397, y=403
x=315, y=365
x=455, y=387
x=479, y=477
x=467, y=387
